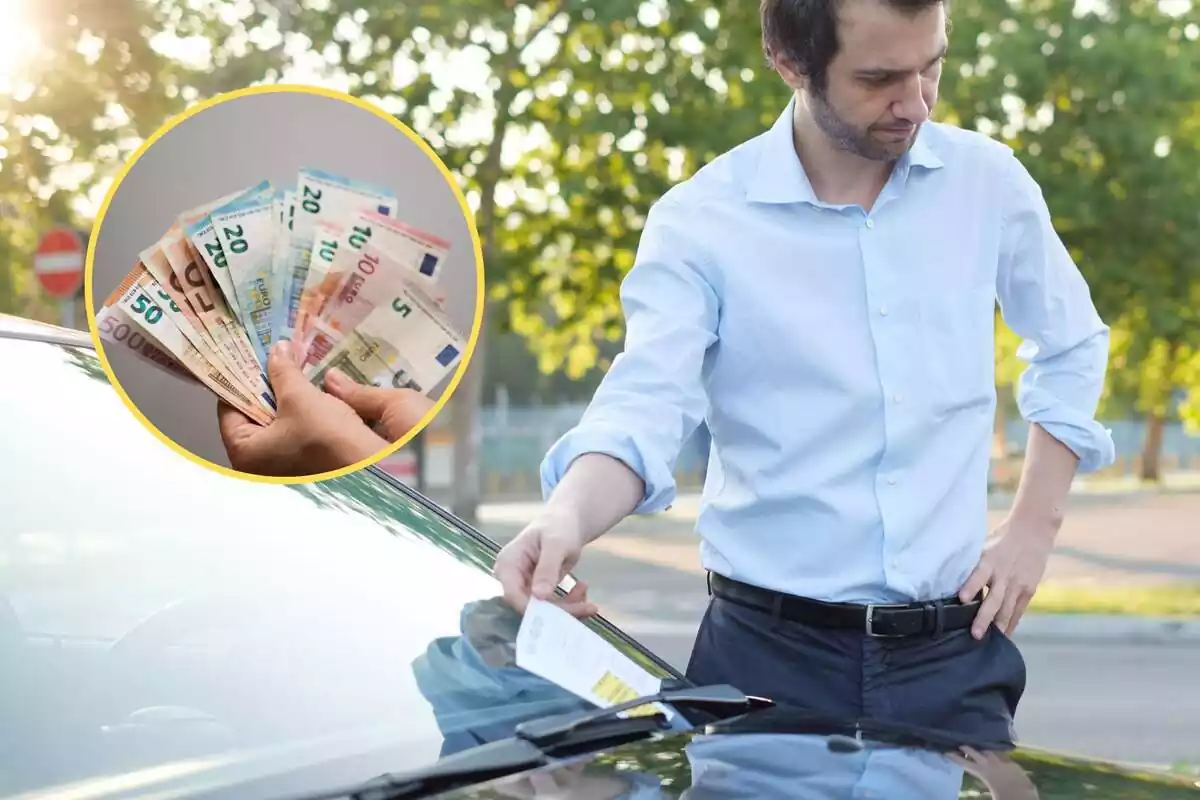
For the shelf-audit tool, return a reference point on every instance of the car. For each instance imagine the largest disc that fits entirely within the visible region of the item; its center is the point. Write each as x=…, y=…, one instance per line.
x=171, y=631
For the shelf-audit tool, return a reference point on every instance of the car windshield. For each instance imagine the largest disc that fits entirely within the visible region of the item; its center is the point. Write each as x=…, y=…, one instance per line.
x=164, y=626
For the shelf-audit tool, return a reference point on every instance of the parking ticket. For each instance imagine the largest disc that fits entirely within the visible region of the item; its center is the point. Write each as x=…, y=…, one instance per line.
x=559, y=648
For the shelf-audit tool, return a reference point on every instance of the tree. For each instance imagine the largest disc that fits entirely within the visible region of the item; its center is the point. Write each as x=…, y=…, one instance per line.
x=102, y=79
x=565, y=120
x=1101, y=106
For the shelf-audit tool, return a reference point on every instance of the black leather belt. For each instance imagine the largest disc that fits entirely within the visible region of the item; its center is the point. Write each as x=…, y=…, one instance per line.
x=886, y=621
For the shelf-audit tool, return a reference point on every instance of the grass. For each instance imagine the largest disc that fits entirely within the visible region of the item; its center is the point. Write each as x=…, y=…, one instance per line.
x=1180, y=600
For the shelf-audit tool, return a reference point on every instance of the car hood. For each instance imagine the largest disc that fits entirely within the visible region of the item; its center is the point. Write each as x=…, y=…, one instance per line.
x=712, y=763
x=12, y=327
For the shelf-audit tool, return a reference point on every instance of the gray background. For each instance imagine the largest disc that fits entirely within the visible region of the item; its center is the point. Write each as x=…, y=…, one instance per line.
x=229, y=147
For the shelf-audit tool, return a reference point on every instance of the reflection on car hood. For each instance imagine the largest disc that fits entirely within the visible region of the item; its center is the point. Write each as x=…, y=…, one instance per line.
x=21, y=328
x=712, y=765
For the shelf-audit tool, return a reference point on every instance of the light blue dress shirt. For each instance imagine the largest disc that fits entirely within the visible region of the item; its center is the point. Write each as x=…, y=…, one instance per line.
x=844, y=362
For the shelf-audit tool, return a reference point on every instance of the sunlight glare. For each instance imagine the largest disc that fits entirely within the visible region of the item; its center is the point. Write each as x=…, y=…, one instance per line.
x=17, y=42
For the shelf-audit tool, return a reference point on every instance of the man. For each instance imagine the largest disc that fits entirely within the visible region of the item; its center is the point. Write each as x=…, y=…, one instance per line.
x=824, y=297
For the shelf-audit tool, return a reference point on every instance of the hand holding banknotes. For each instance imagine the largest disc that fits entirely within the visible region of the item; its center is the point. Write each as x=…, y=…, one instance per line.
x=322, y=264
x=312, y=431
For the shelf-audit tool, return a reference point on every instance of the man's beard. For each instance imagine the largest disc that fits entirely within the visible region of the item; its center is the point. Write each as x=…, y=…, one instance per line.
x=850, y=139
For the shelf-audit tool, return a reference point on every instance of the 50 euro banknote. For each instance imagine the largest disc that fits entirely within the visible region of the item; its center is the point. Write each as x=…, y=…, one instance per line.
x=407, y=342
x=119, y=330
x=211, y=339
x=174, y=313
x=136, y=297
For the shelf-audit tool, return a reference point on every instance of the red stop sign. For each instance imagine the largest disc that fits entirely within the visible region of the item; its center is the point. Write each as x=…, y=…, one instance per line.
x=58, y=262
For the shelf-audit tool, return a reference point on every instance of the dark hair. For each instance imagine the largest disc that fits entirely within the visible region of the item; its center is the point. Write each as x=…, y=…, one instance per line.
x=804, y=32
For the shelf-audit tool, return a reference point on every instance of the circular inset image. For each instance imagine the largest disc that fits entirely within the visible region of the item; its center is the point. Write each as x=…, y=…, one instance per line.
x=285, y=283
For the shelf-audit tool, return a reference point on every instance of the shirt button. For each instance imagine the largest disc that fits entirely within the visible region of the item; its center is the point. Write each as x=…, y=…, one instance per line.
x=891, y=480
x=898, y=398
x=870, y=223
x=883, y=310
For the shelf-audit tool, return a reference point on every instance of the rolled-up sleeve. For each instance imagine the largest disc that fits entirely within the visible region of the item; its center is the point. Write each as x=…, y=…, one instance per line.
x=1045, y=300
x=652, y=398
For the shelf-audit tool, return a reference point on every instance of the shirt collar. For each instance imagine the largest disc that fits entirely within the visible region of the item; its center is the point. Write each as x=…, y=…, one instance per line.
x=779, y=176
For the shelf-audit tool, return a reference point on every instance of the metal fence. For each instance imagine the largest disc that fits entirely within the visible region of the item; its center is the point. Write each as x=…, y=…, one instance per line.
x=514, y=441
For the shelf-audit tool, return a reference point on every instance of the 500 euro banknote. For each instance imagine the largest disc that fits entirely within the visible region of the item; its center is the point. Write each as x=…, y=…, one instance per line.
x=116, y=328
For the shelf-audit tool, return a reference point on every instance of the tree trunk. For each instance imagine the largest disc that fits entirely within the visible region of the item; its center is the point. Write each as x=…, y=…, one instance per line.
x=468, y=397
x=468, y=435
x=1152, y=448
x=1156, y=420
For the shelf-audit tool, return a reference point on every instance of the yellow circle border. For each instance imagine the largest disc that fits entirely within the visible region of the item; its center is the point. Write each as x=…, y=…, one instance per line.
x=188, y=113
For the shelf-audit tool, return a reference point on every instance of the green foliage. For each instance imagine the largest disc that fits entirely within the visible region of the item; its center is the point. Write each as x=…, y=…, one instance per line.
x=599, y=107
x=1102, y=108
x=1189, y=376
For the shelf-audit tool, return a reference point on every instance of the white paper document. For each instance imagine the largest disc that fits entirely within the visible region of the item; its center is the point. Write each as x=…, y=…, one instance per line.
x=555, y=646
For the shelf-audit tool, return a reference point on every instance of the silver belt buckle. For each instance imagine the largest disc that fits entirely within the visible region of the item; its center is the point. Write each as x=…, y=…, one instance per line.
x=870, y=618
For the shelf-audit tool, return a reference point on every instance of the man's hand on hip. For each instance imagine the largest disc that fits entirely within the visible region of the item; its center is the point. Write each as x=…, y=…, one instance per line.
x=533, y=564
x=1014, y=558
x=1011, y=567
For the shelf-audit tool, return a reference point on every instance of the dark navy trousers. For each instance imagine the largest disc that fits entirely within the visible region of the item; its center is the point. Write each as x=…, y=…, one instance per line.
x=952, y=683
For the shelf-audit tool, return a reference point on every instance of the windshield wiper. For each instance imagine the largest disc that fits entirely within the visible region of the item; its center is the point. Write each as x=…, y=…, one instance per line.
x=539, y=742
x=563, y=730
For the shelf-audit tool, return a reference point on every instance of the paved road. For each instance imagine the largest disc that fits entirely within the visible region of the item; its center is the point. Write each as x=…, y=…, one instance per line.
x=1126, y=702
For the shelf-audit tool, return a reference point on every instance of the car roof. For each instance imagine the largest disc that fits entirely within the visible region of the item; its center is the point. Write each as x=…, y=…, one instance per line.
x=13, y=327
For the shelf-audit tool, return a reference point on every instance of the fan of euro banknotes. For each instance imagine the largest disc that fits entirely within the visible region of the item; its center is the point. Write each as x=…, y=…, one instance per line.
x=324, y=264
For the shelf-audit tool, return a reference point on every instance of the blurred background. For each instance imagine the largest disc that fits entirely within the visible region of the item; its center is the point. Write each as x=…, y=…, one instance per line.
x=564, y=120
